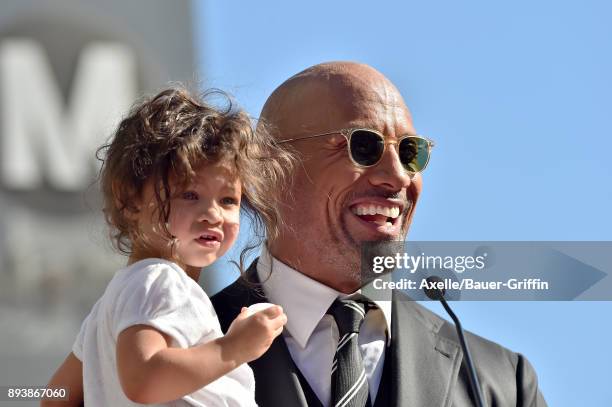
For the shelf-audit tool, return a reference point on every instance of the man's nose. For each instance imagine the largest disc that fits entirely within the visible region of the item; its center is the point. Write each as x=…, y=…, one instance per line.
x=389, y=172
x=210, y=212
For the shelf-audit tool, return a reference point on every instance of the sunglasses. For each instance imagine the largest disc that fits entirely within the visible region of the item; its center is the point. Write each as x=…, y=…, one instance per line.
x=366, y=148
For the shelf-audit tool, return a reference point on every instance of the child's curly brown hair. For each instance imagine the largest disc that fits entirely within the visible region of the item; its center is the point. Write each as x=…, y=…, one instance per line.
x=172, y=134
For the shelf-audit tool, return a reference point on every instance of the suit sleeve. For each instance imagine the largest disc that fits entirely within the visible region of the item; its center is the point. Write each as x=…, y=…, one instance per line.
x=529, y=394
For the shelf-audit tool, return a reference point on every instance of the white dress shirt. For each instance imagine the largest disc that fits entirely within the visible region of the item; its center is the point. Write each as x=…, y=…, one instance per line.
x=311, y=335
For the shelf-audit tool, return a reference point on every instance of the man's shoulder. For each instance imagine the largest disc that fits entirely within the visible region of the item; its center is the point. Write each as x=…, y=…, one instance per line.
x=446, y=331
x=504, y=374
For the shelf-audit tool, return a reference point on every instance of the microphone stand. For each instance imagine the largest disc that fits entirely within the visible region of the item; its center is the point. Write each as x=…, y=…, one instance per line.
x=437, y=294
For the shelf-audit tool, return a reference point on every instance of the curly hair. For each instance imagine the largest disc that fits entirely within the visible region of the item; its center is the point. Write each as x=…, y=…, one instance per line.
x=174, y=133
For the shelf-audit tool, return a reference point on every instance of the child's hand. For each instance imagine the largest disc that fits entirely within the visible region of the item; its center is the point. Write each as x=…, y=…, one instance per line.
x=249, y=337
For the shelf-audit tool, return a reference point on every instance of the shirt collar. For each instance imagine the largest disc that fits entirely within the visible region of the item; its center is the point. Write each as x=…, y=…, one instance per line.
x=304, y=300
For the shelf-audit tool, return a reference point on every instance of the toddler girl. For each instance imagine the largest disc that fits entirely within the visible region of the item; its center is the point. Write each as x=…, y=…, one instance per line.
x=174, y=178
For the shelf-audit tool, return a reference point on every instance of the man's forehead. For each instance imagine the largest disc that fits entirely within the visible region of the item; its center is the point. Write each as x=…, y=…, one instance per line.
x=354, y=91
x=323, y=104
x=374, y=103
x=379, y=107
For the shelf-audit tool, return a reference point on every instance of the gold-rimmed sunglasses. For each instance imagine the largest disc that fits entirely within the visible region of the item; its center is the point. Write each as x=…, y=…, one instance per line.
x=366, y=148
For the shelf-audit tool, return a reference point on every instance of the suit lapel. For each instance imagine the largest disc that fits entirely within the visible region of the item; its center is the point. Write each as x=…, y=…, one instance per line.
x=277, y=379
x=425, y=364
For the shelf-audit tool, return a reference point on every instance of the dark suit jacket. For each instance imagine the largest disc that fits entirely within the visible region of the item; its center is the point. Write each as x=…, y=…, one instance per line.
x=426, y=368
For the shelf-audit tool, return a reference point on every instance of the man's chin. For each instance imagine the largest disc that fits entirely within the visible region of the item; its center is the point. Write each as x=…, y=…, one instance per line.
x=361, y=239
x=352, y=283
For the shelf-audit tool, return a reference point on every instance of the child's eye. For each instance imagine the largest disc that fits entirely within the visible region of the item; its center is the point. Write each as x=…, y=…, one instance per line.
x=189, y=195
x=228, y=200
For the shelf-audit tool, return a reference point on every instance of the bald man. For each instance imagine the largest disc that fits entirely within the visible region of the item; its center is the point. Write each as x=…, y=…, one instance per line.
x=409, y=356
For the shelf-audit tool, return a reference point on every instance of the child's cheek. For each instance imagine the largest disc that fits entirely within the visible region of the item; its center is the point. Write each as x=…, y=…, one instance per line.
x=176, y=215
x=231, y=228
x=233, y=217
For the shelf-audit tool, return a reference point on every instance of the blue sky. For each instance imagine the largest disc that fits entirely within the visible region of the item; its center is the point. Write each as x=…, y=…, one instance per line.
x=517, y=97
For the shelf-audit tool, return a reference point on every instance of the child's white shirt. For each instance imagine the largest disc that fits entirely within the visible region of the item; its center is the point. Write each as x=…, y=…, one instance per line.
x=160, y=294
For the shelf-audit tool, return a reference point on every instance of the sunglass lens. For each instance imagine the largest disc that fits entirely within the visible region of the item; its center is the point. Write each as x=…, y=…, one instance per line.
x=414, y=153
x=366, y=147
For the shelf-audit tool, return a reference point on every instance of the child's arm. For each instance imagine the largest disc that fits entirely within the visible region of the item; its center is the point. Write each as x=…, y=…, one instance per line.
x=151, y=372
x=70, y=376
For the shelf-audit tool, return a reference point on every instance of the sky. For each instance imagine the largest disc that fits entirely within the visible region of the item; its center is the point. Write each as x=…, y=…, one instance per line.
x=516, y=96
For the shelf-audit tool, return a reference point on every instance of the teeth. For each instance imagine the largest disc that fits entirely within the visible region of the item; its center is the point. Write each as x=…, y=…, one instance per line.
x=389, y=212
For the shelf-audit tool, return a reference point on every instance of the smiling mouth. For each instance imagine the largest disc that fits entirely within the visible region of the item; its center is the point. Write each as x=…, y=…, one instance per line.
x=377, y=214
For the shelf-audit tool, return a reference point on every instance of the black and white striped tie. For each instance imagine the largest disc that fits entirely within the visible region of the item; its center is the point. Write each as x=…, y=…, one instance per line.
x=348, y=382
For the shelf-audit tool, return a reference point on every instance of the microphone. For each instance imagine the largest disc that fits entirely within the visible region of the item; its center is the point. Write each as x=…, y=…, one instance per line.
x=438, y=295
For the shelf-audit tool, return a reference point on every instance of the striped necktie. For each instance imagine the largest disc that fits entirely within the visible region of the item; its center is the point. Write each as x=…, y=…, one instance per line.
x=349, y=384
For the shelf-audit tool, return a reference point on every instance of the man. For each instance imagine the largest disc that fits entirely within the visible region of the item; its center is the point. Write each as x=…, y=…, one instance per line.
x=398, y=353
